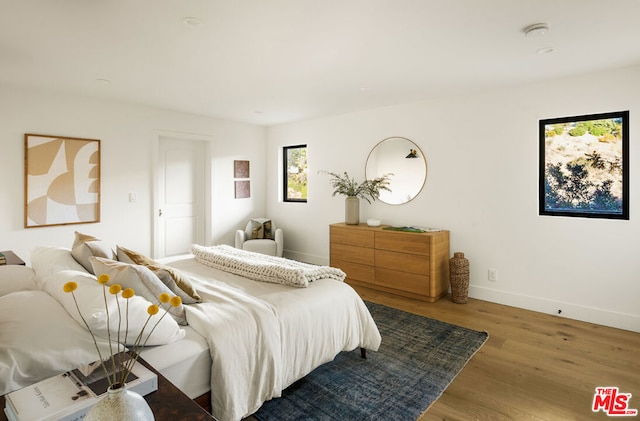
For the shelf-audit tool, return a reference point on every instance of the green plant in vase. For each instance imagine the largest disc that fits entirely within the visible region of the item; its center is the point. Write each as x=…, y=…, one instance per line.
x=368, y=190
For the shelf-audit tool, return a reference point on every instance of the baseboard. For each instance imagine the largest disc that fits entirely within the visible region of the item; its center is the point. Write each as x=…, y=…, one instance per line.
x=558, y=308
x=307, y=258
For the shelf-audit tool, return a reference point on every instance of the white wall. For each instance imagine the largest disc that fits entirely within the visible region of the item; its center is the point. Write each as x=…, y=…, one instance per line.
x=127, y=140
x=482, y=185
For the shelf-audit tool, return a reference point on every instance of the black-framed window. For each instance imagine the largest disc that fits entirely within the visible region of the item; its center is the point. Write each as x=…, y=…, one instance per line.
x=584, y=166
x=295, y=173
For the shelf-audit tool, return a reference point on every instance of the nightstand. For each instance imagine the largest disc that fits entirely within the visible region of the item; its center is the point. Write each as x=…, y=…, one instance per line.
x=12, y=258
x=168, y=403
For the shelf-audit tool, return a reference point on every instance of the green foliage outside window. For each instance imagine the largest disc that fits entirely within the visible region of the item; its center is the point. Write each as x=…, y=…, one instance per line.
x=296, y=171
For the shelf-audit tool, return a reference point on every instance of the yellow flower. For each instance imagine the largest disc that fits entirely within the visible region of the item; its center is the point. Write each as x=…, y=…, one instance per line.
x=121, y=369
x=176, y=301
x=70, y=286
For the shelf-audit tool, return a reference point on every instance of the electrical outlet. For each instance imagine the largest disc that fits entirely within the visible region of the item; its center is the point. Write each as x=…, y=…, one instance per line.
x=493, y=275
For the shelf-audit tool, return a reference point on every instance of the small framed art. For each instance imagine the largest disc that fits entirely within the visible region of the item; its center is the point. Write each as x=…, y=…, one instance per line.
x=241, y=169
x=242, y=189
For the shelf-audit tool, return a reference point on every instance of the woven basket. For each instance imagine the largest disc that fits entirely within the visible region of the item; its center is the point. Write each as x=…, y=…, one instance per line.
x=459, y=273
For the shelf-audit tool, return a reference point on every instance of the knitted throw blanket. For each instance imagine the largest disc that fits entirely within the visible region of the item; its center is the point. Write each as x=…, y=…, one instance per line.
x=261, y=267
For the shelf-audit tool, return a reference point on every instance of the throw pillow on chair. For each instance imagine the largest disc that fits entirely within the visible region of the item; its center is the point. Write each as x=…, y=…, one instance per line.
x=261, y=230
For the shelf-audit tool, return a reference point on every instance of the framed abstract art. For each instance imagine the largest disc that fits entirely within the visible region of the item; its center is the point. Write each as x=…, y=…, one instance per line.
x=62, y=180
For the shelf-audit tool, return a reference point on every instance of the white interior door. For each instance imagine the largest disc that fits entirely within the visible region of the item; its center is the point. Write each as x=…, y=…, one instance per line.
x=181, y=195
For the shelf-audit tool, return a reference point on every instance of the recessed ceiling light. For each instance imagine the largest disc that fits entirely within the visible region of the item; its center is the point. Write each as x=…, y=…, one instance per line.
x=364, y=88
x=546, y=50
x=536, y=30
x=191, y=21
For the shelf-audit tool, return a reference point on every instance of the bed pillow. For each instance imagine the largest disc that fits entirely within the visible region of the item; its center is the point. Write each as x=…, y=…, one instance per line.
x=144, y=282
x=46, y=261
x=85, y=246
x=175, y=280
x=39, y=340
x=90, y=298
x=16, y=278
x=129, y=256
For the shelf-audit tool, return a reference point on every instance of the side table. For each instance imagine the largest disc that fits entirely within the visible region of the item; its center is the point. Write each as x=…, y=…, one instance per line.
x=168, y=403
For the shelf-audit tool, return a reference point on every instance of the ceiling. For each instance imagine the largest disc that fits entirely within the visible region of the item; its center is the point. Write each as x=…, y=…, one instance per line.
x=268, y=62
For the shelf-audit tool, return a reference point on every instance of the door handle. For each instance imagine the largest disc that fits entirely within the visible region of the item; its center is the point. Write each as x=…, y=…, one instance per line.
x=159, y=212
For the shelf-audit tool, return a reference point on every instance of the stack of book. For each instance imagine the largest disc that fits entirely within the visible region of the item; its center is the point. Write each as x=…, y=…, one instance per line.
x=70, y=395
x=3, y=259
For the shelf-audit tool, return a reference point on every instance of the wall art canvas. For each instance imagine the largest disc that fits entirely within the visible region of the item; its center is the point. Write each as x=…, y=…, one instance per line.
x=62, y=180
x=584, y=166
x=241, y=169
x=242, y=189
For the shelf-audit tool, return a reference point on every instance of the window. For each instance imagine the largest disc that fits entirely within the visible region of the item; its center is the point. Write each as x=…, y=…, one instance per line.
x=584, y=167
x=295, y=173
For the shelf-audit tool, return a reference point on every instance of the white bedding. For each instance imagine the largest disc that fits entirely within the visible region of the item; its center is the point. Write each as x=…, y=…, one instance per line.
x=264, y=336
x=186, y=363
x=259, y=337
x=40, y=338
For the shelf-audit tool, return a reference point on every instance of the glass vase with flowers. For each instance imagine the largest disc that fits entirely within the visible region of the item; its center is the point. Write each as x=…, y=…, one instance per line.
x=120, y=403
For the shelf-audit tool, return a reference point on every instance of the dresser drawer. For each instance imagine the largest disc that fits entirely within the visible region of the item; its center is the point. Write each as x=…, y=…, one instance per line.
x=402, y=262
x=402, y=242
x=352, y=236
x=351, y=254
x=403, y=281
x=355, y=271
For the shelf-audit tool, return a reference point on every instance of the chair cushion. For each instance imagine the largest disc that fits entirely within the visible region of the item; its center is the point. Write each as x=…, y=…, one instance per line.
x=268, y=247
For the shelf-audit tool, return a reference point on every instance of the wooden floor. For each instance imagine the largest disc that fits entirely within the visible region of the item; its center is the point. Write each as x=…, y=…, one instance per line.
x=533, y=367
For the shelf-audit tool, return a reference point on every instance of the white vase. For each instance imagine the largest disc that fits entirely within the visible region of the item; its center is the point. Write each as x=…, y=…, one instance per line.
x=120, y=404
x=351, y=210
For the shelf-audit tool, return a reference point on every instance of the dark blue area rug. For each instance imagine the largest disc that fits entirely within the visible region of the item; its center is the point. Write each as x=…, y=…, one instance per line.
x=419, y=357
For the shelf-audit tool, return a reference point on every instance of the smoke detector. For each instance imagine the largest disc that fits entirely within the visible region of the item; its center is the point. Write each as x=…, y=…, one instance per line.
x=536, y=30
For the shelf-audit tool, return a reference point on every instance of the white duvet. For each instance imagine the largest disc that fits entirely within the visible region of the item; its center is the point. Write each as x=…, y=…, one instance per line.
x=263, y=336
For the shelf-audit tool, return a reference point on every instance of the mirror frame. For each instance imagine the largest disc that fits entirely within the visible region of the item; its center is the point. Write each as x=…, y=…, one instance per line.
x=372, y=176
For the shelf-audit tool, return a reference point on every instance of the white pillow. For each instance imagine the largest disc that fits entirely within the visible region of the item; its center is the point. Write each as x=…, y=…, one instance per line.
x=16, y=278
x=39, y=340
x=144, y=282
x=85, y=246
x=90, y=297
x=49, y=260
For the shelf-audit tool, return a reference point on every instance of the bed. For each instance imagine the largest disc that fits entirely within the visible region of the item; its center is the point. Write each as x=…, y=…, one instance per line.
x=244, y=340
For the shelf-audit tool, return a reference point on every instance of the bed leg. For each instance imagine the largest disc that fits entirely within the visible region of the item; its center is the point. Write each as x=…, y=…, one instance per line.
x=363, y=353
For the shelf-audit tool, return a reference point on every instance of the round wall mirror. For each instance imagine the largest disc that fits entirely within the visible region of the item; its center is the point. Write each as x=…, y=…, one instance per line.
x=405, y=160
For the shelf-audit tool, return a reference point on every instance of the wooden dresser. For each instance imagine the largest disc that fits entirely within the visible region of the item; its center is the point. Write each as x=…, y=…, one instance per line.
x=410, y=264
